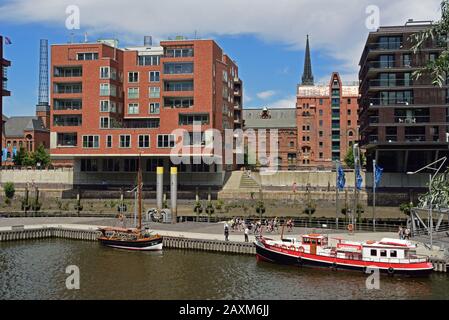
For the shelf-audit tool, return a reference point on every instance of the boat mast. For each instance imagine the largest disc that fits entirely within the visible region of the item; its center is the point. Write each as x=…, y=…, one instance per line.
x=139, y=195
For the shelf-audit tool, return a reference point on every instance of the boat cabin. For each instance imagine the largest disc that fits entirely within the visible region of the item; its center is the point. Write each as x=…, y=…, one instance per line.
x=387, y=250
x=314, y=241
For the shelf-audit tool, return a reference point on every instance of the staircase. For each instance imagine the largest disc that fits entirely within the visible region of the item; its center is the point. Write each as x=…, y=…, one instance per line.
x=247, y=182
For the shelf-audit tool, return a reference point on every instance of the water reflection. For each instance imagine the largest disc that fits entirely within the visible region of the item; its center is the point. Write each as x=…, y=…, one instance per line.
x=36, y=270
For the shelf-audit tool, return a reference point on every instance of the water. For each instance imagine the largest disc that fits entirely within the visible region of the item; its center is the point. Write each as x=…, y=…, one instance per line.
x=36, y=270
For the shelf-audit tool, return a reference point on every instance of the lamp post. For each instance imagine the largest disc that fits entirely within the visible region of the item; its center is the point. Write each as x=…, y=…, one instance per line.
x=430, y=166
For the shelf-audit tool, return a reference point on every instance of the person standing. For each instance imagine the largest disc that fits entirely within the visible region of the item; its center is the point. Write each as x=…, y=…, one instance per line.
x=246, y=234
x=401, y=233
x=226, y=232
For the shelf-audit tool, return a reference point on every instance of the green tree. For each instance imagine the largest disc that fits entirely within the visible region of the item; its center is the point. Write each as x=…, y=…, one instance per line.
x=19, y=158
x=437, y=32
x=41, y=156
x=10, y=190
x=349, y=158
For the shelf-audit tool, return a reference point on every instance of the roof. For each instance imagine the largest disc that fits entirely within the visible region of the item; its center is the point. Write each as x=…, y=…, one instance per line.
x=275, y=118
x=16, y=126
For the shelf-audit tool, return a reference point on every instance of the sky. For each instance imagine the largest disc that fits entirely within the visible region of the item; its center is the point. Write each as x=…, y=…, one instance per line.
x=265, y=38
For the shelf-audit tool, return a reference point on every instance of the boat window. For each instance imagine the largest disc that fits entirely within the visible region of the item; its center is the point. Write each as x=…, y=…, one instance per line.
x=383, y=253
x=393, y=253
x=373, y=253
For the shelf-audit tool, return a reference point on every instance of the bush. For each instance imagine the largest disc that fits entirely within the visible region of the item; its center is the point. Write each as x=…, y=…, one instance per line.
x=10, y=190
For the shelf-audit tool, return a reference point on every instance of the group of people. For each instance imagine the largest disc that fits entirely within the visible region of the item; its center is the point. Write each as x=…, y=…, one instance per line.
x=404, y=233
x=256, y=227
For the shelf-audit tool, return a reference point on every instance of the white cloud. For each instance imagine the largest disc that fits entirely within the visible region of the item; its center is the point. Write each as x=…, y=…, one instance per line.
x=335, y=26
x=266, y=94
x=287, y=102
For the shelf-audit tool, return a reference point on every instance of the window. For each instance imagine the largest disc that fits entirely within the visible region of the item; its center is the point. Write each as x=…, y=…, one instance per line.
x=133, y=108
x=349, y=101
x=109, y=141
x=133, y=93
x=155, y=92
x=111, y=165
x=179, y=86
x=349, y=112
x=321, y=144
x=67, y=104
x=154, y=76
x=105, y=72
x=178, y=68
x=148, y=60
x=108, y=90
x=104, y=106
x=130, y=165
x=179, y=53
x=320, y=123
x=383, y=253
x=321, y=102
x=194, y=139
x=87, y=56
x=190, y=119
x=125, y=141
x=68, y=72
x=152, y=164
x=349, y=123
x=89, y=165
x=373, y=253
x=133, y=77
x=393, y=254
x=91, y=142
x=320, y=112
x=154, y=108
x=321, y=133
x=68, y=88
x=321, y=155
x=178, y=102
x=67, y=120
x=165, y=141
x=65, y=140
x=144, y=141
x=104, y=122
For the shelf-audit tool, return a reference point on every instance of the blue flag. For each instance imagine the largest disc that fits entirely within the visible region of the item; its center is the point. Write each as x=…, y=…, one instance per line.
x=359, y=179
x=341, y=180
x=377, y=175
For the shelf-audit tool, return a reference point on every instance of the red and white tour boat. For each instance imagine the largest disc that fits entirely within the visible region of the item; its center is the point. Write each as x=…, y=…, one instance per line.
x=390, y=256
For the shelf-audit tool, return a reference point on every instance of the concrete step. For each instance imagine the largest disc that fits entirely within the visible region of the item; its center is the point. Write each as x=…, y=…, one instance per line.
x=247, y=182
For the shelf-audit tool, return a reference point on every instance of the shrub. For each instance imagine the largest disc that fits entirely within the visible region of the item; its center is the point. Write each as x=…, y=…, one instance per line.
x=10, y=190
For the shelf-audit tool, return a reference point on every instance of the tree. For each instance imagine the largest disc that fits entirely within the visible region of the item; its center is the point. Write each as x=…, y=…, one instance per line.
x=349, y=158
x=438, y=32
x=41, y=156
x=19, y=158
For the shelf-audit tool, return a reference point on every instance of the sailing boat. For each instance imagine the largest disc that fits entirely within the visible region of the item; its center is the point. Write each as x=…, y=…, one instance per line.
x=132, y=238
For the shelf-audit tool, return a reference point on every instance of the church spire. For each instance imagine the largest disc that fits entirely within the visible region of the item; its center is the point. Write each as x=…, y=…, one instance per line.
x=307, y=76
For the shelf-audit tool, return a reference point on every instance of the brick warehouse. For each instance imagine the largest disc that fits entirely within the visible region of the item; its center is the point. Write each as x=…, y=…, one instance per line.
x=322, y=127
x=108, y=105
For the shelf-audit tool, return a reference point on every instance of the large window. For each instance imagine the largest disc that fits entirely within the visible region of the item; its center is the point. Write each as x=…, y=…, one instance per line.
x=107, y=89
x=133, y=108
x=141, y=123
x=67, y=120
x=87, y=56
x=125, y=141
x=67, y=139
x=154, y=76
x=89, y=165
x=178, y=68
x=111, y=165
x=105, y=72
x=179, y=53
x=68, y=72
x=148, y=60
x=130, y=165
x=133, y=93
x=144, y=141
x=68, y=88
x=104, y=106
x=178, y=85
x=165, y=141
x=91, y=142
x=67, y=104
x=104, y=122
x=189, y=119
x=155, y=92
x=181, y=102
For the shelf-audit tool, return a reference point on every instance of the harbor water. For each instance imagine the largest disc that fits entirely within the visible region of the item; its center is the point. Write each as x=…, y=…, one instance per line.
x=37, y=270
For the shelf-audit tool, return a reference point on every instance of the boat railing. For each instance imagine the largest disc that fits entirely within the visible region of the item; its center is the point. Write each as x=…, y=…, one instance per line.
x=399, y=260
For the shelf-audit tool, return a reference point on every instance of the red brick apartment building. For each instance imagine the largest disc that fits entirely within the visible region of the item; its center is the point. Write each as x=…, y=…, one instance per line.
x=3, y=91
x=109, y=105
x=319, y=130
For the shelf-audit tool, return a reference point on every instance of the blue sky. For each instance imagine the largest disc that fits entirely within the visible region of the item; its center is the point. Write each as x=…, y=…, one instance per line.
x=267, y=42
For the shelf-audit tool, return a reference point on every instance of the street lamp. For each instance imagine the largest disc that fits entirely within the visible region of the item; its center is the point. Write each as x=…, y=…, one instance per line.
x=439, y=162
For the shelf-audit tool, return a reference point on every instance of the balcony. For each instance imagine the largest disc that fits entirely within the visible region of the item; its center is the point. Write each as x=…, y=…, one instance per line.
x=373, y=120
x=391, y=102
x=386, y=46
x=67, y=121
x=391, y=83
x=68, y=88
x=373, y=139
x=412, y=119
x=391, y=138
x=415, y=138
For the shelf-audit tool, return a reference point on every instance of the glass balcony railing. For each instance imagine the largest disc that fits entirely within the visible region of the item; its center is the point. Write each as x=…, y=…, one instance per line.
x=391, y=83
x=390, y=64
x=385, y=46
x=412, y=119
x=415, y=138
x=391, y=101
x=391, y=138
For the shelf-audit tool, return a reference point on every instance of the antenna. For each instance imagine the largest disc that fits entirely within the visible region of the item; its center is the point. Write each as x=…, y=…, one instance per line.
x=43, y=73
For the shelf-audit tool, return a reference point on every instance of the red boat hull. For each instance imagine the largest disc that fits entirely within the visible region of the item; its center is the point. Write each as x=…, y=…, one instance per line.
x=290, y=257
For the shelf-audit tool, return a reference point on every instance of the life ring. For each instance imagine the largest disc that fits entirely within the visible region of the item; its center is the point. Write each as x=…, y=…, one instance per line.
x=284, y=247
x=350, y=227
x=301, y=249
x=292, y=248
x=390, y=271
